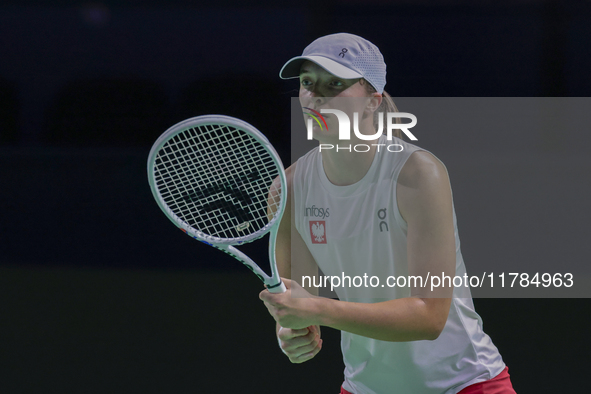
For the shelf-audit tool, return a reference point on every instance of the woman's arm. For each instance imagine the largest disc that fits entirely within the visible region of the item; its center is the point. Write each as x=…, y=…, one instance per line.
x=425, y=203
x=298, y=345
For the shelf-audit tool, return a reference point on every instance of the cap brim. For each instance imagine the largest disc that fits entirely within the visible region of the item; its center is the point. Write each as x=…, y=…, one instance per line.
x=291, y=69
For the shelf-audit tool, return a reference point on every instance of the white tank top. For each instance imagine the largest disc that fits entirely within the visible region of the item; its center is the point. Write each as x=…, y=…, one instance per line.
x=356, y=230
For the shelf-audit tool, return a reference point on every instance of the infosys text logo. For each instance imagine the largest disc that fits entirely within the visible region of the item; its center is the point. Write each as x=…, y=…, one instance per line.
x=317, y=212
x=345, y=128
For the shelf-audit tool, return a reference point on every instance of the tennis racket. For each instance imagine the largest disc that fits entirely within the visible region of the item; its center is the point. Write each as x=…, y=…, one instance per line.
x=221, y=182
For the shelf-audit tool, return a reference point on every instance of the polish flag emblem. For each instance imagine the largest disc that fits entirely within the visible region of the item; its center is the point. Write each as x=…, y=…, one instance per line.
x=318, y=232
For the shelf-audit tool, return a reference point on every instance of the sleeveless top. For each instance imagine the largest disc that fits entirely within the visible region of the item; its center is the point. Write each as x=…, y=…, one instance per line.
x=357, y=230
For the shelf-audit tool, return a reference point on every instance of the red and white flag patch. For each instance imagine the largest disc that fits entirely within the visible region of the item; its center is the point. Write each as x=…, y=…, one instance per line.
x=318, y=231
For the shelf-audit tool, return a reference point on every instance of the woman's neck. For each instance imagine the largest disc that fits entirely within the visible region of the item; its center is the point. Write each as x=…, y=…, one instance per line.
x=343, y=168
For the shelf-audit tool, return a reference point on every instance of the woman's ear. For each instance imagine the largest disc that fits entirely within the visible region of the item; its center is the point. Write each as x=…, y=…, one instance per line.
x=375, y=100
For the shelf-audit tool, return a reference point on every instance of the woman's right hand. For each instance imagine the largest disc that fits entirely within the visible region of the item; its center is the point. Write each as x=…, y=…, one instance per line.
x=300, y=345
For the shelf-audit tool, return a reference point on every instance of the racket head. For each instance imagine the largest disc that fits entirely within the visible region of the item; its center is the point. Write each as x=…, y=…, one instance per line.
x=218, y=179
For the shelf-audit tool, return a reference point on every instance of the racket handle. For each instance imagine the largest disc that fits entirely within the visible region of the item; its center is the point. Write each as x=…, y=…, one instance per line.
x=278, y=289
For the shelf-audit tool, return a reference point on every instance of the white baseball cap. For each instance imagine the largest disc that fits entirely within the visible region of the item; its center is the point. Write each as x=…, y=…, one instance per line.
x=344, y=55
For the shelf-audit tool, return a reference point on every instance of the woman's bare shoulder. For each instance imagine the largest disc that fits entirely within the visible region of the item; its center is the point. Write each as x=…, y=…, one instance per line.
x=424, y=187
x=420, y=168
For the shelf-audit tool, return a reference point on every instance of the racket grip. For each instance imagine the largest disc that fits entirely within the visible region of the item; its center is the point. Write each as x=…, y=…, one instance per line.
x=278, y=289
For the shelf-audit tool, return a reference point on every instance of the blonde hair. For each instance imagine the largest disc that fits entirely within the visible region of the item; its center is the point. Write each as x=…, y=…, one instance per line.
x=386, y=106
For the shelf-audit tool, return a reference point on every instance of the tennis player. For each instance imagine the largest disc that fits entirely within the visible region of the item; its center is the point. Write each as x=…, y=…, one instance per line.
x=379, y=213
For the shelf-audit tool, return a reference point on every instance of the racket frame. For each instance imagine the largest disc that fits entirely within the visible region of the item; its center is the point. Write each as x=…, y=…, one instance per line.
x=273, y=282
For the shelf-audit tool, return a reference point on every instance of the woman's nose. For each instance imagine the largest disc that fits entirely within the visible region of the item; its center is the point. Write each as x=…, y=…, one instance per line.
x=317, y=98
x=312, y=99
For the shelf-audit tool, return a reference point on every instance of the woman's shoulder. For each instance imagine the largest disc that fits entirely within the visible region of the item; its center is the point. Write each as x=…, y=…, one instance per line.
x=424, y=188
x=305, y=163
x=422, y=167
x=289, y=173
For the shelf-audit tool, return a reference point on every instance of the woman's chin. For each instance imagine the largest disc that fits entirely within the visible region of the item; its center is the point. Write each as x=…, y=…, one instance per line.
x=325, y=137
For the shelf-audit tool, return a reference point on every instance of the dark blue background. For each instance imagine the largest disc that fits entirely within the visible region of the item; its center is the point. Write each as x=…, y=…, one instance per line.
x=99, y=293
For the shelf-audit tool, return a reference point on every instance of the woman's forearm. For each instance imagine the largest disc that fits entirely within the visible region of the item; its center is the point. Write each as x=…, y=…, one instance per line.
x=405, y=319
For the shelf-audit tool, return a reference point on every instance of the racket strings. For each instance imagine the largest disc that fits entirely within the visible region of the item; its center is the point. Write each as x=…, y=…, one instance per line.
x=219, y=180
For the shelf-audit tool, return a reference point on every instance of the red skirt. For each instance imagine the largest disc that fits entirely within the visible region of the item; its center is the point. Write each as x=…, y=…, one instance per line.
x=500, y=384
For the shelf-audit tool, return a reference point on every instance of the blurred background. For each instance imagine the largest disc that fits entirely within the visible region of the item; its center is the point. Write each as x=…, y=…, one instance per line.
x=100, y=293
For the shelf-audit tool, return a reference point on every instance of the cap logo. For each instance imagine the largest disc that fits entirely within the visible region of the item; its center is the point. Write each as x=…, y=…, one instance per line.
x=343, y=51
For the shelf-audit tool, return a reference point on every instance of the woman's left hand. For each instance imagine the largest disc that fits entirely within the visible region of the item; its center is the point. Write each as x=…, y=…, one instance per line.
x=296, y=308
